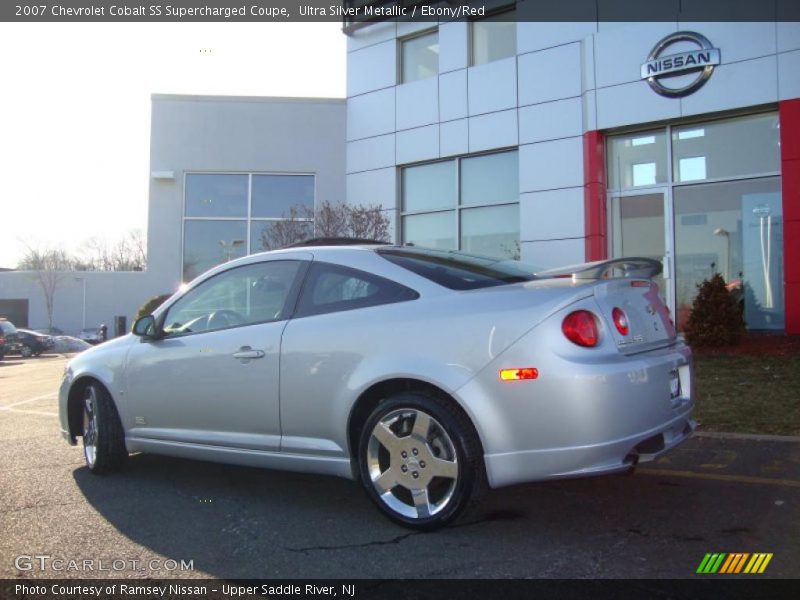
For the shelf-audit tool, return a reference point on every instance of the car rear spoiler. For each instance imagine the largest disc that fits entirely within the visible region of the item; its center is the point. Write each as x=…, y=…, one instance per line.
x=631, y=267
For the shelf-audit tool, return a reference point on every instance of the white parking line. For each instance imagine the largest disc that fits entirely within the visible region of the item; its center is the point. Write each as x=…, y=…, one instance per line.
x=42, y=397
x=30, y=412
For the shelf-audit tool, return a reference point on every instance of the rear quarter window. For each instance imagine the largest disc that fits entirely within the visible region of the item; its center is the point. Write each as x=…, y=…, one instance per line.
x=334, y=288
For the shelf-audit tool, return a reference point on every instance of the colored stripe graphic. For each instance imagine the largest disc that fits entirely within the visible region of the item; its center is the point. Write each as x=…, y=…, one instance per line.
x=758, y=563
x=727, y=564
x=711, y=563
x=735, y=561
x=722, y=563
x=703, y=563
x=741, y=562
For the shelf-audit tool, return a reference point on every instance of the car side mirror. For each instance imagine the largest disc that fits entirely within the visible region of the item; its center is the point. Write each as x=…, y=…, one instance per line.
x=145, y=327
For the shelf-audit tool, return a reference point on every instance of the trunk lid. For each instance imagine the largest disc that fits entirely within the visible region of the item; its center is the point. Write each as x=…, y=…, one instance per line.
x=649, y=322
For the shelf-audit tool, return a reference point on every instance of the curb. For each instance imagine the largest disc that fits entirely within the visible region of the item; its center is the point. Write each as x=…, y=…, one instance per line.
x=747, y=436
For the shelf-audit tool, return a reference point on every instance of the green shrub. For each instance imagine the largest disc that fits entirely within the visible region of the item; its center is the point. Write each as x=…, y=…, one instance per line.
x=716, y=318
x=148, y=307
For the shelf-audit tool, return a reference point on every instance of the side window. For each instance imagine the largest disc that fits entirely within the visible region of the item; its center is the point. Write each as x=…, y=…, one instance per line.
x=332, y=288
x=255, y=293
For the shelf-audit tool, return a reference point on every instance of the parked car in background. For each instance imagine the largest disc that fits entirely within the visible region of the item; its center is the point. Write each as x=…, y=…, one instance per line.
x=49, y=331
x=30, y=343
x=91, y=335
x=8, y=333
x=423, y=374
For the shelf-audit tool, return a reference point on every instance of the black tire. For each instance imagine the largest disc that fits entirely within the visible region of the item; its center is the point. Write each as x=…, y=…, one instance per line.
x=104, y=447
x=26, y=351
x=459, y=445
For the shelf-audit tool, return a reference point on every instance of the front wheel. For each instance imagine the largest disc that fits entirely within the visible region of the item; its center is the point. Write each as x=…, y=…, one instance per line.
x=420, y=461
x=26, y=351
x=103, y=436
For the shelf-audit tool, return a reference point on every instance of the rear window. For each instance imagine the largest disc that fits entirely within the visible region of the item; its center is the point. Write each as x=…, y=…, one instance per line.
x=456, y=270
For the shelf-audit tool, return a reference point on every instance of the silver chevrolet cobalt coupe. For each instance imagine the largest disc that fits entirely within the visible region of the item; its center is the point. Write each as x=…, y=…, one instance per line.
x=423, y=374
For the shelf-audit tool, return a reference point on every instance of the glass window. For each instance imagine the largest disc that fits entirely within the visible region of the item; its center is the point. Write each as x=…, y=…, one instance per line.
x=491, y=231
x=432, y=193
x=433, y=230
x=271, y=235
x=214, y=195
x=242, y=296
x=275, y=210
x=494, y=38
x=733, y=147
x=333, y=288
x=637, y=229
x=490, y=179
x=420, y=57
x=459, y=271
x=733, y=228
x=428, y=187
x=276, y=195
x=637, y=159
x=209, y=243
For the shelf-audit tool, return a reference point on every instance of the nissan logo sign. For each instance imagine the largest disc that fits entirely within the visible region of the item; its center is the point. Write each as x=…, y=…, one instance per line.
x=660, y=67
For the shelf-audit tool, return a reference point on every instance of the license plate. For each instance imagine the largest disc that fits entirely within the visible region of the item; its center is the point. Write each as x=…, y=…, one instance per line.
x=674, y=385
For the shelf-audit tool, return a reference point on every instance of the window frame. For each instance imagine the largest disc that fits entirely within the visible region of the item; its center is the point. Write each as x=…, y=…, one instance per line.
x=308, y=309
x=458, y=207
x=401, y=55
x=289, y=305
x=248, y=218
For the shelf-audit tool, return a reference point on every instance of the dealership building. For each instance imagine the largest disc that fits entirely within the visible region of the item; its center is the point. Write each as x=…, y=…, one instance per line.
x=555, y=143
x=566, y=142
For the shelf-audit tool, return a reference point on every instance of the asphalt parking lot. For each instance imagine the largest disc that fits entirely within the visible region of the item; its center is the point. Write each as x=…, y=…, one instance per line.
x=710, y=495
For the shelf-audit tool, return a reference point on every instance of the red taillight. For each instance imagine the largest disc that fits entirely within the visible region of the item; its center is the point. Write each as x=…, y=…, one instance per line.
x=620, y=320
x=580, y=327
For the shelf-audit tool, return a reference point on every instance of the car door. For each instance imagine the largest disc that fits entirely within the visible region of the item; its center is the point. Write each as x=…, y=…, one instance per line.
x=338, y=315
x=213, y=377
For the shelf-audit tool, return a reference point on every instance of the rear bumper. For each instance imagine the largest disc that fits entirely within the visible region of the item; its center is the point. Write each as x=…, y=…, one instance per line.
x=537, y=465
x=587, y=412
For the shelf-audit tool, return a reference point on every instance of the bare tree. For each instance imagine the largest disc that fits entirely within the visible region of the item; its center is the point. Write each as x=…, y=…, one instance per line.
x=296, y=227
x=48, y=266
x=329, y=220
x=126, y=254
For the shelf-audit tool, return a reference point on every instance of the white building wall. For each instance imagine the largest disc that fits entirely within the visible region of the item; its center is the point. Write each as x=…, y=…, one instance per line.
x=566, y=79
x=107, y=295
x=235, y=134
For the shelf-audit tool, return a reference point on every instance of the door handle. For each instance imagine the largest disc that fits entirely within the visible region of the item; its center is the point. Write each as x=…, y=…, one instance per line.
x=246, y=352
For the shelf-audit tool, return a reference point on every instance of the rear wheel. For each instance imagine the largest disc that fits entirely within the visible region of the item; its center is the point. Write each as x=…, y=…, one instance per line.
x=103, y=436
x=26, y=351
x=420, y=461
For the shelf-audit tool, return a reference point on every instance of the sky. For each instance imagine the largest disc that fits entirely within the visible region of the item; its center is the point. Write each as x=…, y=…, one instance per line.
x=75, y=111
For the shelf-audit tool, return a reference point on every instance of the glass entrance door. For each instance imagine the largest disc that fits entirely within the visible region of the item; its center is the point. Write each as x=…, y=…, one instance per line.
x=638, y=228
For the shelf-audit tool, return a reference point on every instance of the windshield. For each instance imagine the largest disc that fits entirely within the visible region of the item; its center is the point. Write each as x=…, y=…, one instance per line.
x=457, y=270
x=7, y=328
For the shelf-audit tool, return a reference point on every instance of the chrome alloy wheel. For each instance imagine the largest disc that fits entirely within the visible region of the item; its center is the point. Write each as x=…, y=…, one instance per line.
x=412, y=463
x=90, y=426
